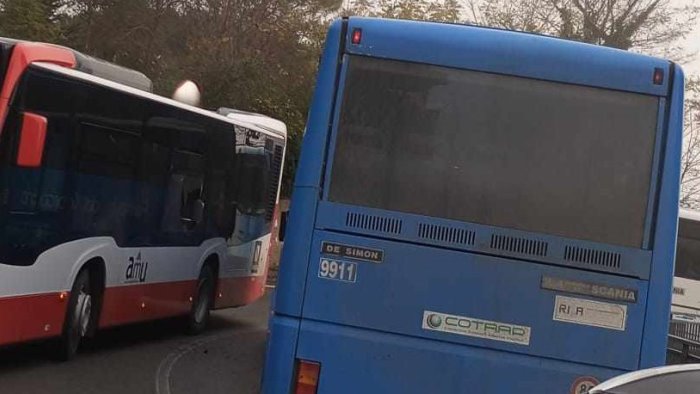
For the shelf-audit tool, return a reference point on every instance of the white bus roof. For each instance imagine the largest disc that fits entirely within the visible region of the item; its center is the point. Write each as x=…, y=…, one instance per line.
x=689, y=214
x=151, y=96
x=260, y=120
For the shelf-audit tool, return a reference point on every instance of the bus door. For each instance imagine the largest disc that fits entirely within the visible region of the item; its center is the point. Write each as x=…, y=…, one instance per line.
x=247, y=247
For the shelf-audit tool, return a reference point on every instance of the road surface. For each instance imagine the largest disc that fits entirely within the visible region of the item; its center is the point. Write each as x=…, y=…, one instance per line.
x=150, y=358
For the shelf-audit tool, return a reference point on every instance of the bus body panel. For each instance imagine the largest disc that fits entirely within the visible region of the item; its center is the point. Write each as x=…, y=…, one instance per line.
x=170, y=279
x=361, y=361
x=307, y=181
x=661, y=281
x=160, y=285
x=291, y=280
x=528, y=55
x=333, y=216
x=283, y=333
x=321, y=111
x=414, y=280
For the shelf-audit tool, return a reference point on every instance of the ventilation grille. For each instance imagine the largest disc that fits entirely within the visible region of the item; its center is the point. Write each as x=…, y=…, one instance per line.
x=519, y=245
x=446, y=234
x=373, y=223
x=592, y=256
x=275, y=169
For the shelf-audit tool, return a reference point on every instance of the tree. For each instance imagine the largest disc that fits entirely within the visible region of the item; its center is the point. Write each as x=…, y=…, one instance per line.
x=29, y=19
x=690, y=159
x=650, y=26
x=431, y=10
x=256, y=55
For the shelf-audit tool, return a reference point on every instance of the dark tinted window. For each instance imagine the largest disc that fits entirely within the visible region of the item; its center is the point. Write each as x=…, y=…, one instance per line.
x=140, y=171
x=250, y=184
x=688, y=250
x=107, y=151
x=4, y=60
x=252, y=178
x=518, y=153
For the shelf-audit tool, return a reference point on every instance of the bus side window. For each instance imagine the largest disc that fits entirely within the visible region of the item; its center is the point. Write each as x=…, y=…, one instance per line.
x=192, y=206
x=184, y=205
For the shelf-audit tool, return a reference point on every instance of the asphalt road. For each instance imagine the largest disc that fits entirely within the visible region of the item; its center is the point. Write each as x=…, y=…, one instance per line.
x=149, y=358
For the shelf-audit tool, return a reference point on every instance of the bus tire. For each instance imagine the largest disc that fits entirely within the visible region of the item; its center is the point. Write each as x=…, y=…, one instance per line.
x=202, y=302
x=78, y=316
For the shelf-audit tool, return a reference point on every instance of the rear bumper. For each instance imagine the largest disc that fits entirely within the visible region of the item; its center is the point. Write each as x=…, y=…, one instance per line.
x=363, y=361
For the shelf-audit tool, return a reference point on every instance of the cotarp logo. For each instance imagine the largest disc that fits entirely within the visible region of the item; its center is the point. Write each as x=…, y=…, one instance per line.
x=472, y=327
x=434, y=320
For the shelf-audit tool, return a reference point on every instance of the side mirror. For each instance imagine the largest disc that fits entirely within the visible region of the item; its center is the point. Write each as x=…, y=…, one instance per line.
x=31, y=140
x=283, y=226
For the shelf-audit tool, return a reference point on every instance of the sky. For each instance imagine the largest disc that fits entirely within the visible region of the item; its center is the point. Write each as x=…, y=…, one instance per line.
x=692, y=43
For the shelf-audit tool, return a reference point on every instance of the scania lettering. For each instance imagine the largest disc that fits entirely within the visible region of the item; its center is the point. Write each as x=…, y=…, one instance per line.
x=479, y=162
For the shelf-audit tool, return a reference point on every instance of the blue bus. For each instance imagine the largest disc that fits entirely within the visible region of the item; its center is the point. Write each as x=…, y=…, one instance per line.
x=477, y=210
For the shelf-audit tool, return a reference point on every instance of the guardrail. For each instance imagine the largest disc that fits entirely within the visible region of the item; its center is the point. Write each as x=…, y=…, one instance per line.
x=683, y=342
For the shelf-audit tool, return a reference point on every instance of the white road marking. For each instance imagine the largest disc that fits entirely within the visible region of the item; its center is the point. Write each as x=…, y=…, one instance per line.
x=166, y=365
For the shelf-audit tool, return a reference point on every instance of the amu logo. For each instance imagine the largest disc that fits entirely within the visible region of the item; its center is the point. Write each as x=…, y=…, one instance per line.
x=136, y=270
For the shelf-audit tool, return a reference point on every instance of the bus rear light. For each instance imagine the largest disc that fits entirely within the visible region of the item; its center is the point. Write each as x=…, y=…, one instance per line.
x=357, y=36
x=658, y=76
x=31, y=141
x=307, y=377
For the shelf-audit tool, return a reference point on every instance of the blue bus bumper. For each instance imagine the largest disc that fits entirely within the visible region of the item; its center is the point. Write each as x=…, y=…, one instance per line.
x=357, y=360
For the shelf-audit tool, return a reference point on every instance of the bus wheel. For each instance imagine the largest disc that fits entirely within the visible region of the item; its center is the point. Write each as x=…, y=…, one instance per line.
x=78, y=316
x=202, y=303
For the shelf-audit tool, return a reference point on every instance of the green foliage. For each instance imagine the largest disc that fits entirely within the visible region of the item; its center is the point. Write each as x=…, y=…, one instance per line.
x=29, y=19
x=431, y=10
x=654, y=26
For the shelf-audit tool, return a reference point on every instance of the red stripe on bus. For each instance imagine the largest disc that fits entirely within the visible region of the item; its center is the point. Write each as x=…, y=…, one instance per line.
x=25, y=318
x=239, y=291
x=38, y=316
x=134, y=303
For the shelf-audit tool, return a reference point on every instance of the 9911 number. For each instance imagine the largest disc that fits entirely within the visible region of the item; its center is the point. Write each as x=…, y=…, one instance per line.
x=337, y=270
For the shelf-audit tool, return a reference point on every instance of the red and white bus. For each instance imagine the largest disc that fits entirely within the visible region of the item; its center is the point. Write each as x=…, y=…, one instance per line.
x=118, y=205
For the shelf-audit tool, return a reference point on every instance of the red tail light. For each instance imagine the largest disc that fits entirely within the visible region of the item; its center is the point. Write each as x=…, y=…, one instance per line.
x=31, y=140
x=357, y=36
x=658, y=76
x=307, y=377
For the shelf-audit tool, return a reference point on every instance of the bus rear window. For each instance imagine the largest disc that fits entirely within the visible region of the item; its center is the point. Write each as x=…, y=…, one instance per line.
x=531, y=155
